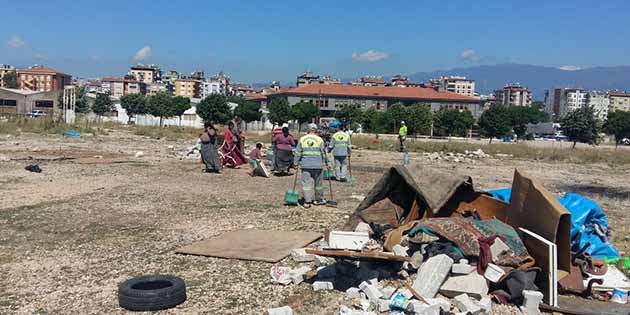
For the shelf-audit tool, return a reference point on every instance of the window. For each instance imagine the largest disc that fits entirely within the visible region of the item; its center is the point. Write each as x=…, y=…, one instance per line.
x=8, y=102
x=44, y=104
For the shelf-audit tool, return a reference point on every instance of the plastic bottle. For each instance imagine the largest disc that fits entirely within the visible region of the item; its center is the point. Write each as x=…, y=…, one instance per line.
x=405, y=158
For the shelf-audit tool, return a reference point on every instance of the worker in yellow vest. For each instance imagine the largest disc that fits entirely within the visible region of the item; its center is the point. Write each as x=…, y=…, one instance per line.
x=311, y=157
x=402, y=135
x=340, y=148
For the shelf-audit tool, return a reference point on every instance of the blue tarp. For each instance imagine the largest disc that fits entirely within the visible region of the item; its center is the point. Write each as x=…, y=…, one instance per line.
x=588, y=223
x=71, y=134
x=334, y=123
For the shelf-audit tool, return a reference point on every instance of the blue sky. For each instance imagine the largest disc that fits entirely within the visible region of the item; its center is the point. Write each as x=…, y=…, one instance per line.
x=261, y=41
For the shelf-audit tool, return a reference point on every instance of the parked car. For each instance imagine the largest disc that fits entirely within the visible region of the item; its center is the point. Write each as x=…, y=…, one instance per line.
x=35, y=114
x=625, y=141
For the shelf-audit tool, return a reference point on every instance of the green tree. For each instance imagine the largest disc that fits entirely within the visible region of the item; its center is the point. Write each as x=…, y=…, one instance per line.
x=181, y=105
x=81, y=104
x=214, y=109
x=618, y=124
x=10, y=80
x=397, y=112
x=520, y=116
x=160, y=105
x=349, y=114
x=134, y=104
x=419, y=118
x=495, y=122
x=303, y=112
x=248, y=111
x=454, y=121
x=580, y=125
x=103, y=104
x=376, y=121
x=279, y=110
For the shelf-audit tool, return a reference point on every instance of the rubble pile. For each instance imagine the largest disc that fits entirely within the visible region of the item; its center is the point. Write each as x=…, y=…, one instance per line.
x=466, y=157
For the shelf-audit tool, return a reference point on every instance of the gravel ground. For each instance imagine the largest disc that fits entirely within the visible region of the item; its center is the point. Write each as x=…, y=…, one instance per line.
x=70, y=234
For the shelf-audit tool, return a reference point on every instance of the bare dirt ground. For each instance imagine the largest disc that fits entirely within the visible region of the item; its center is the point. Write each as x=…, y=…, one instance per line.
x=71, y=234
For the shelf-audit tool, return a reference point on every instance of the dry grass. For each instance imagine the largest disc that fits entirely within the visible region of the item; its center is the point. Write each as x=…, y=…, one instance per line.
x=43, y=125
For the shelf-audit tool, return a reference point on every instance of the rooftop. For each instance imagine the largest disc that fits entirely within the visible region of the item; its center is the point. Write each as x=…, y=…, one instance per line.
x=413, y=93
x=113, y=79
x=620, y=94
x=40, y=70
x=21, y=92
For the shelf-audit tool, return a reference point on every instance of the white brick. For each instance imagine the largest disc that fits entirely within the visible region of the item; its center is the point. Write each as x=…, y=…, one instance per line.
x=485, y=304
x=462, y=269
x=473, y=284
x=465, y=304
x=300, y=255
x=372, y=292
x=353, y=293
x=322, y=285
x=432, y=274
x=531, y=302
x=497, y=248
x=285, y=310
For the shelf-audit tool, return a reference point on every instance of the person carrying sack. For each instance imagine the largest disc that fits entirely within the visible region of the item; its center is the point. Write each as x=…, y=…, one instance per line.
x=340, y=148
x=311, y=157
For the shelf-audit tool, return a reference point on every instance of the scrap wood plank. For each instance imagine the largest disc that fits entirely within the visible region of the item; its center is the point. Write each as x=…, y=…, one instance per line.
x=349, y=254
x=260, y=245
x=579, y=306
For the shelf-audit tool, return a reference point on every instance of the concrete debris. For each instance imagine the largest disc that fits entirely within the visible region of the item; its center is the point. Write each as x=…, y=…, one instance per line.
x=286, y=275
x=353, y=293
x=498, y=248
x=298, y=275
x=348, y=240
x=406, y=293
x=531, y=302
x=345, y=310
x=322, y=286
x=285, y=310
x=462, y=269
x=387, y=292
x=485, y=304
x=383, y=305
x=439, y=302
x=300, y=255
x=371, y=291
x=494, y=273
x=323, y=261
x=363, y=227
x=400, y=250
x=432, y=274
x=467, y=156
x=465, y=304
x=472, y=284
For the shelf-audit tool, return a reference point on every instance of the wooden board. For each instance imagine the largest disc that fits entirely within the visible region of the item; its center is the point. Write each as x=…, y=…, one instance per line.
x=348, y=254
x=545, y=253
x=259, y=245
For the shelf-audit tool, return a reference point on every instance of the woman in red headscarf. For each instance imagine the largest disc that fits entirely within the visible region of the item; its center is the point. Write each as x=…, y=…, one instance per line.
x=231, y=155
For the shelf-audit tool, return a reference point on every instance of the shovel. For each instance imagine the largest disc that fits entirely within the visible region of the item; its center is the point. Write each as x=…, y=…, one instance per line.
x=291, y=196
x=349, y=178
x=331, y=202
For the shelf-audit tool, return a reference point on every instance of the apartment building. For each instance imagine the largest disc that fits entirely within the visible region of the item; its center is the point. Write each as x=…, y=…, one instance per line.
x=4, y=69
x=457, y=84
x=599, y=102
x=118, y=87
x=309, y=78
x=619, y=101
x=42, y=79
x=513, y=95
x=369, y=81
x=190, y=88
x=147, y=74
x=575, y=99
x=402, y=81
x=212, y=87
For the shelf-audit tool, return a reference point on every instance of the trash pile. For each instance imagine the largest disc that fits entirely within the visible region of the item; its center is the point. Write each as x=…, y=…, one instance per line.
x=466, y=157
x=425, y=242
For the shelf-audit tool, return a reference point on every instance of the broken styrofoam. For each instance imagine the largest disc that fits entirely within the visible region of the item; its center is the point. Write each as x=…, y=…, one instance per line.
x=372, y=292
x=473, y=284
x=300, y=255
x=347, y=240
x=465, y=304
x=285, y=310
x=432, y=274
x=531, y=302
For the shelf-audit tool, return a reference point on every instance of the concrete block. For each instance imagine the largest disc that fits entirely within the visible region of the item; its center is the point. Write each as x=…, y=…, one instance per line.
x=326, y=272
x=300, y=255
x=485, y=304
x=462, y=269
x=363, y=296
x=387, y=292
x=465, y=304
x=431, y=275
x=363, y=227
x=531, y=302
x=420, y=308
x=497, y=248
x=322, y=285
x=323, y=261
x=440, y=302
x=400, y=250
x=473, y=284
x=416, y=260
x=353, y=293
x=285, y=310
x=493, y=273
x=372, y=292
x=383, y=305
x=298, y=275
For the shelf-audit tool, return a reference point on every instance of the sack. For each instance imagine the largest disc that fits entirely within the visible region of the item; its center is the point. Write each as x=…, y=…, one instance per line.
x=205, y=138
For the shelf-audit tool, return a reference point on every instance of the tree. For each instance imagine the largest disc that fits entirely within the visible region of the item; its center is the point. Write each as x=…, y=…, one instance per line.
x=181, y=105
x=248, y=112
x=279, y=110
x=454, y=121
x=495, y=122
x=349, y=114
x=134, y=104
x=618, y=124
x=10, y=80
x=520, y=116
x=419, y=118
x=303, y=112
x=376, y=121
x=160, y=105
x=214, y=109
x=580, y=125
x=81, y=104
x=397, y=113
x=102, y=104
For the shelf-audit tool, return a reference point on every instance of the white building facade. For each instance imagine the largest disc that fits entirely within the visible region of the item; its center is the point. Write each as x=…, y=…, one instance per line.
x=600, y=102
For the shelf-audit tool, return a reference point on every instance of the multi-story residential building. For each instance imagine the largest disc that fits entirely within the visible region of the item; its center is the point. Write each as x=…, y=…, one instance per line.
x=242, y=89
x=599, y=102
x=146, y=73
x=118, y=87
x=4, y=69
x=170, y=76
x=619, y=101
x=575, y=99
x=212, y=87
x=42, y=79
x=330, y=98
x=513, y=95
x=369, y=81
x=402, y=81
x=309, y=78
x=156, y=87
x=190, y=88
x=456, y=84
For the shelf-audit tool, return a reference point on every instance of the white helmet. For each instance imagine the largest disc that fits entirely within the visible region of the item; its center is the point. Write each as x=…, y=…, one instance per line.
x=312, y=127
x=402, y=122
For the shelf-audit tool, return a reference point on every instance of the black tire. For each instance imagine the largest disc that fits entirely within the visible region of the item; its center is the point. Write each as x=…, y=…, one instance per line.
x=151, y=293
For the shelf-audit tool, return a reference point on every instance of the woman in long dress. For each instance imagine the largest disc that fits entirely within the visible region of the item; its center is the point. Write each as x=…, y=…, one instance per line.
x=210, y=149
x=284, y=151
x=231, y=154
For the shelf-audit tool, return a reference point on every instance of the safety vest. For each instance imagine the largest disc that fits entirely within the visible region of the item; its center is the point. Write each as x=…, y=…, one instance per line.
x=340, y=144
x=310, y=153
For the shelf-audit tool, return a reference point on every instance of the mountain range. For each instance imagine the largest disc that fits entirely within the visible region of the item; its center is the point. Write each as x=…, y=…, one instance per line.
x=538, y=78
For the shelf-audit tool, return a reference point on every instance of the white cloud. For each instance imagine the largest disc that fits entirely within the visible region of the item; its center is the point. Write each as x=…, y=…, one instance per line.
x=470, y=54
x=569, y=68
x=16, y=42
x=40, y=56
x=143, y=53
x=370, y=56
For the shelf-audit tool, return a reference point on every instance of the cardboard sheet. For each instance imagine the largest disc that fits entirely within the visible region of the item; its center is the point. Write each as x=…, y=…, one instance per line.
x=260, y=245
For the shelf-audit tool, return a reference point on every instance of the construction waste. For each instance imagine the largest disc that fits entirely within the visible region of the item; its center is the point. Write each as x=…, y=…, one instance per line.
x=466, y=157
x=425, y=242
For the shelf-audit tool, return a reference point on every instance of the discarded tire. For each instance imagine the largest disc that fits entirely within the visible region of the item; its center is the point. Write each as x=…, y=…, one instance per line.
x=151, y=293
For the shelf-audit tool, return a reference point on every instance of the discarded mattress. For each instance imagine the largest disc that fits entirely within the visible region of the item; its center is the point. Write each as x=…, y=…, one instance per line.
x=588, y=223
